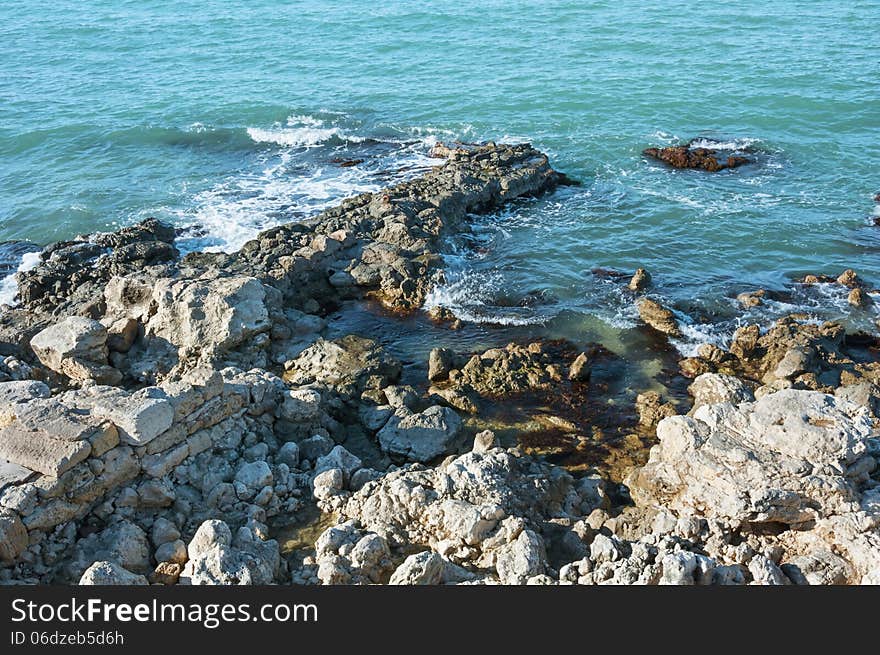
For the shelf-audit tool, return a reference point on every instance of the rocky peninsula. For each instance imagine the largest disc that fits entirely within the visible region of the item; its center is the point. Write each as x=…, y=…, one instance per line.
x=171, y=419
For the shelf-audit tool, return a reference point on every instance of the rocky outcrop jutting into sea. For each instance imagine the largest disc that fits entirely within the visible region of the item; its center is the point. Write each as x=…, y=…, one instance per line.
x=162, y=416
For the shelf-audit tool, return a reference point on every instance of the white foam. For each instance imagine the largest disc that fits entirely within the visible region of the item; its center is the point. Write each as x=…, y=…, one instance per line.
x=301, y=131
x=287, y=188
x=468, y=294
x=734, y=144
x=9, y=285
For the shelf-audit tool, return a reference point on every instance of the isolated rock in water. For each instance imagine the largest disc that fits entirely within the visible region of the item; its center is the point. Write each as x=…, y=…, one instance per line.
x=421, y=437
x=350, y=364
x=440, y=363
x=849, y=278
x=858, y=298
x=580, y=368
x=513, y=369
x=110, y=573
x=76, y=347
x=751, y=298
x=425, y=568
x=658, y=317
x=640, y=281
x=707, y=159
x=784, y=459
x=206, y=318
x=714, y=388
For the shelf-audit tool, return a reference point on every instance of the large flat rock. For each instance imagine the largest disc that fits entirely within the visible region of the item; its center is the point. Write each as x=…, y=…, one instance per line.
x=12, y=473
x=41, y=452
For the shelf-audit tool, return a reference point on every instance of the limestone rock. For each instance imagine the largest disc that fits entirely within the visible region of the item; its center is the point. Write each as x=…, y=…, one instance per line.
x=521, y=559
x=714, y=388
x=110, y=573
x=425, y=568
x=658, y=317
x=350, y=364
x=76, y=347
x=421, y=437
x=783, y=459
x=640, y=281
x=216, y=558
x=206, y=318
x=440, y=362
x=13, y=536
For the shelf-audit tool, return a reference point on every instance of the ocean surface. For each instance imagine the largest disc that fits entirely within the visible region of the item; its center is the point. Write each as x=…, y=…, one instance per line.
x=228, y=117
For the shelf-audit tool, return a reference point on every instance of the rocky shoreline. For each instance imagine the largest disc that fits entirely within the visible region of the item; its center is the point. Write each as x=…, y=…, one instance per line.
x=173, y=419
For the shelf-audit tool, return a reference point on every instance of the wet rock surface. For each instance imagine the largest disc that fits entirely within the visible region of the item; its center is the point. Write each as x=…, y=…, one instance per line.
x=690, y=156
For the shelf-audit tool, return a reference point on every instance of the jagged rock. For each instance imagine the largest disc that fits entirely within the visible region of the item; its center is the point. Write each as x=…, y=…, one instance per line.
x=658, y=317
x=858, y=298
x=110, y=573
x=121, y=334
x=640, y=281
x=123, y=543
x=849, y=278
x=350, y=365
x=347, y=554
x=783, y=459
x=580, y=368
x=465, y=510
x=425, y=568
x=521, y=559
x=686, y=156
x=420, y=437
x=206, y=318
x=751, y=298
x=215, y=558
x=714, y=388
x=76, y=347
x=440, y=362
x=513, y=369
x=485, y=441
x=14, y=394
x=339, y=458
x=13, y=536
x=652, y=409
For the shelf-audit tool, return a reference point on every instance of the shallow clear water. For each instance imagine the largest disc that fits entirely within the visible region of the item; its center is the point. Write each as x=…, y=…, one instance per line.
x=226, y=117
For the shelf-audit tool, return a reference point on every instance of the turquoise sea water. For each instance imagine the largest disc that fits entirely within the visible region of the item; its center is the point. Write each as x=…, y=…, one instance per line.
x=225, y=117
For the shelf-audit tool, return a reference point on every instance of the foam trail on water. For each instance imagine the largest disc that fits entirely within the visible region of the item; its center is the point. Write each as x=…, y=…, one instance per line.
x=9, y=285
x=297, y=178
